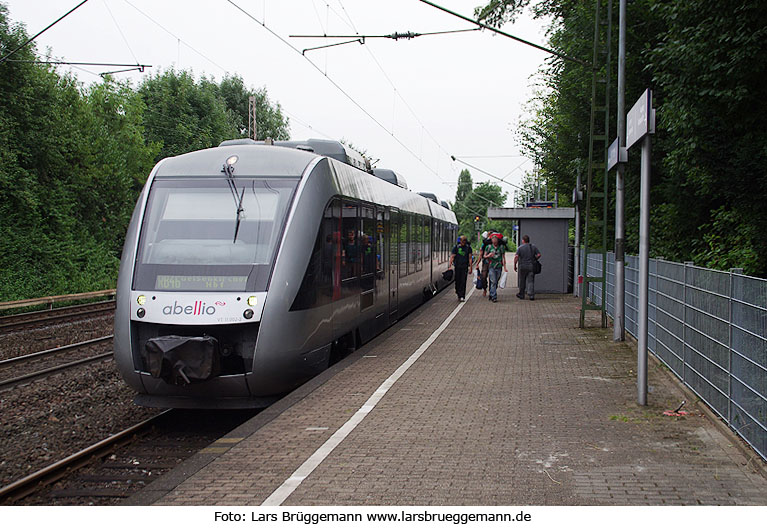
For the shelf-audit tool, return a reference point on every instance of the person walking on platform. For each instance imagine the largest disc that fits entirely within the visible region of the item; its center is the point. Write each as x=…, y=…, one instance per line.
x=461, y=257
x=482, y=264
x=527, y=254
x=495, y=253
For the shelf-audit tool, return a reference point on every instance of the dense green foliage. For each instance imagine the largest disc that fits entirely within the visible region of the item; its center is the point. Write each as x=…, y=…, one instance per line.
x=706, y=64
x=73, y=160
x=471, y=201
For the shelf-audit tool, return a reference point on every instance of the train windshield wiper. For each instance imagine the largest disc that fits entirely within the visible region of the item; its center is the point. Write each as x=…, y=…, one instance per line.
x=228, y=169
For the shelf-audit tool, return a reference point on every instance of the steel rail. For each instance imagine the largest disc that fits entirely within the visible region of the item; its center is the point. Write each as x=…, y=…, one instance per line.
x=49, y=352
x=43, y=316
x=10, y=383
x=25, y=486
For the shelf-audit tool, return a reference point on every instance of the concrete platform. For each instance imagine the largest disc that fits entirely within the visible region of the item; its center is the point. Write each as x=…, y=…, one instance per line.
x=512, y=404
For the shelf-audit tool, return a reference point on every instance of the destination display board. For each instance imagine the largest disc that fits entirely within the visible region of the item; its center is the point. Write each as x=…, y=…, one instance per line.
x=201, y=283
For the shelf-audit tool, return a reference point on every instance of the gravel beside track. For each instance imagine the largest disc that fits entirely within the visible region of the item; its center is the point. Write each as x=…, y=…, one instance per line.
x=53, y=360
x=50, y=419
x=17, y=343
x=111, y=479
x=42, y=318
x=47, y=420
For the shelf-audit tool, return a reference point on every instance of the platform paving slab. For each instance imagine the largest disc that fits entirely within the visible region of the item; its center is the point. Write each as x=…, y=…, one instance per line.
x=512, y=404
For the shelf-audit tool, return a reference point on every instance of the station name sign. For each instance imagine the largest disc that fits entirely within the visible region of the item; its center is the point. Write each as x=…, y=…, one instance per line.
x=616, y=154
x=640, y=121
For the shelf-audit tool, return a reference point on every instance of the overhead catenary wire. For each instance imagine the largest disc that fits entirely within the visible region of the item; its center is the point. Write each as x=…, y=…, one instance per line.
x=119, y=29
x=510, y=36
x=36, y=35
x=488, y=173
x=179, y=39
x=337, y=86
x=397, y=93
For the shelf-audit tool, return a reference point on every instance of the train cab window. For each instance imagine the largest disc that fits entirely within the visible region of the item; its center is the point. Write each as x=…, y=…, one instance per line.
x=350, y=255
x=194, y=239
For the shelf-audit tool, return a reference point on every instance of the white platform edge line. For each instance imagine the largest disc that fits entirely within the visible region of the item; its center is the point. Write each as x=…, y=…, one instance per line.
x=304, y=470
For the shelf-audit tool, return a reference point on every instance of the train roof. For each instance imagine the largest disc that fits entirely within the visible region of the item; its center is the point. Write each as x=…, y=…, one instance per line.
x=281, y=162
x=328, y=148
x=258, y=159
x=390, y=176
x=360, y=185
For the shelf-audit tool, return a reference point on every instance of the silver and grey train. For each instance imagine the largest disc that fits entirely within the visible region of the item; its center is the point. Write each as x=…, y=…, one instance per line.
x=249, y=267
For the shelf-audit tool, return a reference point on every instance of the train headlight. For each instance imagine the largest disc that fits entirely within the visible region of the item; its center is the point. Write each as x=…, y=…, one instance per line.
x=252, y=300
x=248, y=314
x=141, y=300
x=231, y=160
x=141, y=312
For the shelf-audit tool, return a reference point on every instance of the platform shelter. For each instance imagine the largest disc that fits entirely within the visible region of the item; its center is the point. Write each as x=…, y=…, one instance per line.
x=549, y=231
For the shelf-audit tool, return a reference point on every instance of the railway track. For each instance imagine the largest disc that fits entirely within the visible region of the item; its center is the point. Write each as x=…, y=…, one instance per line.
x=36, y=365
x=41, y=318
x=115, y=468
x=38, y=480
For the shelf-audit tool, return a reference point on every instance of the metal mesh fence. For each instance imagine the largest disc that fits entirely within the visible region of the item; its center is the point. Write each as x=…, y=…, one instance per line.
x=709, y=327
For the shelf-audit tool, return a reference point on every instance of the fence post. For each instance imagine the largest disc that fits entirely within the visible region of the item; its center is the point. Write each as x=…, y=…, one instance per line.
x=684, y=322
x=733, y=272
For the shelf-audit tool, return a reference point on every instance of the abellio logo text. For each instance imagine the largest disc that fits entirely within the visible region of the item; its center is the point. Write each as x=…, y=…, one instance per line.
x=198, y=309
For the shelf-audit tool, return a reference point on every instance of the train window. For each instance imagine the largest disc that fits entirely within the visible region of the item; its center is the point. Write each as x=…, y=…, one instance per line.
x=368, y=246
x=394, y=241
x=414, y=241
x=380, y=250
x=317, y=287
x=435, y=242
x=350, y=256
x=427, y=240
x=404, y=244
x=446, y=247
x=368, y=240
x=438, y=241
x=419, y=242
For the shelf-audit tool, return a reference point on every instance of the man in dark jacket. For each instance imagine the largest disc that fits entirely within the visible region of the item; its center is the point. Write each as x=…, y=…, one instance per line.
x=461, y=257
x=526, y=255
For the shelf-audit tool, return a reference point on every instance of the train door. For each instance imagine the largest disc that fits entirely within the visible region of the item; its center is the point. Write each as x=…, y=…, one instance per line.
x=392, y=228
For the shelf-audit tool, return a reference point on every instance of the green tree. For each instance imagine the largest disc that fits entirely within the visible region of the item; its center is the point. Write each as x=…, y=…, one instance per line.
x=475, y=203
x=464, y=186
x=270, y=120
x=706, y=68
x=68, y=166
x=184, y=115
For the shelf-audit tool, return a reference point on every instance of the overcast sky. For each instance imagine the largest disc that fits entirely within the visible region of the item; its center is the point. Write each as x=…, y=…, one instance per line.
x=458, y=94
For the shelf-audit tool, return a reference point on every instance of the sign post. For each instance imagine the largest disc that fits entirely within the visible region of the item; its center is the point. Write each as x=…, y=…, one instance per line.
x=640, y=125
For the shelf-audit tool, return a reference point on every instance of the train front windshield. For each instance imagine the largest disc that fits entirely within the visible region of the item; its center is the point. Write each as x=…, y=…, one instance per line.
x=210, y=235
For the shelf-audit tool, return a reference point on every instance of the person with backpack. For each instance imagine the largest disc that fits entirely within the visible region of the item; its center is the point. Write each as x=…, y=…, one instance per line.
x=526, y=258
x=461, y=257
x=495, y=254
x=481, y=265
